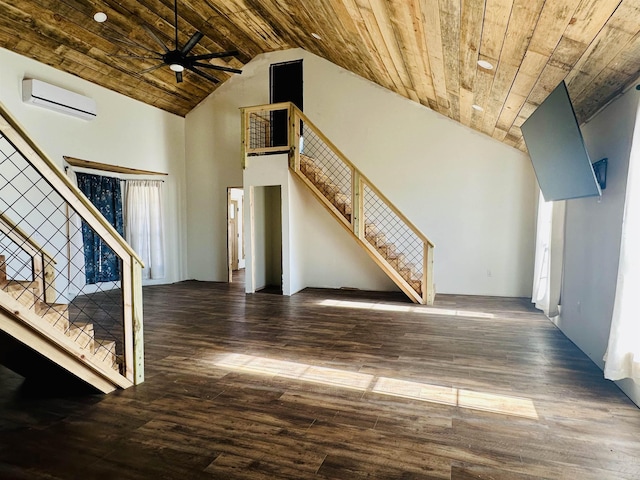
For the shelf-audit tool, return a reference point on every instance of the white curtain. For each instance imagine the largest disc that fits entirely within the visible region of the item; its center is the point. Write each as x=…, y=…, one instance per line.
x=622, y=359
x=145, y=224
x=75, y=246
x=547, y=280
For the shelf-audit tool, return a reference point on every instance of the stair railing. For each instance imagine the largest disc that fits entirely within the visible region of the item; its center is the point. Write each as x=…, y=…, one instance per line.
x=42, y=267
x=43, y=218
x=397, y=246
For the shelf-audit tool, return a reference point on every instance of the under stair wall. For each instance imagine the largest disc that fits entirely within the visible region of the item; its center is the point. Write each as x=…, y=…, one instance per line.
x=403, y=252
x=93, y=331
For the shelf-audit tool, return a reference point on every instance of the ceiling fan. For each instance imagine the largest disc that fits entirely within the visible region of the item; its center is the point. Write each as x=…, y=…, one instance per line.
x=179, y=59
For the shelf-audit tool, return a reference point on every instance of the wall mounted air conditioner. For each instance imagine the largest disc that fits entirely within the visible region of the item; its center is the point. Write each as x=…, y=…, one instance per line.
x=58, y=99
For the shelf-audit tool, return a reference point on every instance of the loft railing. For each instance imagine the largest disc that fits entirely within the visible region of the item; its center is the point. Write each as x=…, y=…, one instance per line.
x=397, y=246
x=43, y=219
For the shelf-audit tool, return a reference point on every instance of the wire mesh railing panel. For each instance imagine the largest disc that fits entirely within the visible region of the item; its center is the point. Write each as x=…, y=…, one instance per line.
x=268, y=130
x=259, y=130
x=386, y=231
x=326, y=170
x=17, y=263
x=43, y=238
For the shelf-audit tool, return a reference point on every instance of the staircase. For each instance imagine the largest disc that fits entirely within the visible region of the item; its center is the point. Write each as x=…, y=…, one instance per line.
x=55, y=318
x=51, y=320
x=390, y=239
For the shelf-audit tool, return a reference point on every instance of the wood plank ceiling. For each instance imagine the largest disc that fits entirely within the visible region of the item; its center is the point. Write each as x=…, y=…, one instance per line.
x=424, y=50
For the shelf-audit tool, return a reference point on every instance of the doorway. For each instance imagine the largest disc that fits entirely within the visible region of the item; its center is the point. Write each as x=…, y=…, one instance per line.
x=267, y=239
x=235, y=233
x=285, y=81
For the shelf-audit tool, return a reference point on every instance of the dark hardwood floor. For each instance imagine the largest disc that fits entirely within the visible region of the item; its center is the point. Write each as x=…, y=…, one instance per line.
x=331, y=385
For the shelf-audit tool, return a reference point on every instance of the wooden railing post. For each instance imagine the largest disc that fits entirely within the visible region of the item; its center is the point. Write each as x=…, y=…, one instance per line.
x=127, y=317
x=132, y=314
x=138, y=329
x=245, y=135
x=357, y=202
x=294, y=139
x=427, y=275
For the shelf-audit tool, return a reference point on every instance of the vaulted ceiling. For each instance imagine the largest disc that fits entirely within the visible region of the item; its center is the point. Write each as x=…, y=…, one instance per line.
x=425, y=50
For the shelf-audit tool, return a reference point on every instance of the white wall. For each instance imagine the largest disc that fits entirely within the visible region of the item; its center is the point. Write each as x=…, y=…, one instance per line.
x=593, y=234
x=126, y=133
x=473, y=196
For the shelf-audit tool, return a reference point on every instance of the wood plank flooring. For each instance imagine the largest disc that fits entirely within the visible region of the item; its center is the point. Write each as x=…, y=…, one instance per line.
x=332, y=385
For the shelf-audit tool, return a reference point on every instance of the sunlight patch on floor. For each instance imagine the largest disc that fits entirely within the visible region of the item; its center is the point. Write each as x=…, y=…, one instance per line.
x=488, y=402
x=296, y=371
x=405, y=308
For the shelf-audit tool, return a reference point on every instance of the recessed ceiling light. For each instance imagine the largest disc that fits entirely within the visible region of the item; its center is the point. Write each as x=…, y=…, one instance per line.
x=100, y=17
x=176, y=67
x=477, y=107
x=485, y=64
x=316, y=36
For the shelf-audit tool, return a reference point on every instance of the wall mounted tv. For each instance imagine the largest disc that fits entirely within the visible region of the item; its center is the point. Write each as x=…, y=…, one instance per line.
x=557, y=150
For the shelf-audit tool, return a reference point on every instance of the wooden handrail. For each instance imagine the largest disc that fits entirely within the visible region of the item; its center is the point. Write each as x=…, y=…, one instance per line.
x=266, y=107
x=14, y=132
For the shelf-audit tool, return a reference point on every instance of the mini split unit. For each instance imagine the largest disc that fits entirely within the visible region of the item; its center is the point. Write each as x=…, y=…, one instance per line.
x=58, y=99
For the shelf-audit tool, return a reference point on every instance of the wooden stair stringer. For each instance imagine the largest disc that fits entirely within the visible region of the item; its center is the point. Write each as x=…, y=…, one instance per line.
x=26, y=326
x=371, y=251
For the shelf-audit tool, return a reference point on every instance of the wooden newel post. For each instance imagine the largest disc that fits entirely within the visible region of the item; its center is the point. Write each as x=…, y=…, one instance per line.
x=244, y=121
x=138, y=329
x=294, y=139
x=428, y=292
x=132, y=318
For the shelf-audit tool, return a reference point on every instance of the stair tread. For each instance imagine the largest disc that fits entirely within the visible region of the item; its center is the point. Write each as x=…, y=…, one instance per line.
x=42, y=307
x=24, y=284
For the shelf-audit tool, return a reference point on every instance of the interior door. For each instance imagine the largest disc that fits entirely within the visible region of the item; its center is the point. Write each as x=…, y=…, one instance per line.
x=286, y=86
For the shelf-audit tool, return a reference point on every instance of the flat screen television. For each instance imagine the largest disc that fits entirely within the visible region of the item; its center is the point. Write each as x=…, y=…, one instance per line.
x=557, y=150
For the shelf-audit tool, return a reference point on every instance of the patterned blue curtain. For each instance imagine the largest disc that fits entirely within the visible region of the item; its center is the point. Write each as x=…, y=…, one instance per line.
x=101, y=263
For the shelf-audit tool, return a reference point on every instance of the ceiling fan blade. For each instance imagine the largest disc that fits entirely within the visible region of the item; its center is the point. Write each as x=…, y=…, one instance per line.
x=151, y=69
x=139, y=57
x=131, y=43
x=153, y=35
x=208, y=56
x=211, y=78
x=216, y=67
x=195, y=38
x=179, y=77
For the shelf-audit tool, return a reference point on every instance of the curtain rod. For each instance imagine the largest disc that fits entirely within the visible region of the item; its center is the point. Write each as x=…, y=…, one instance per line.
x=78, y=162
x=67, y=167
